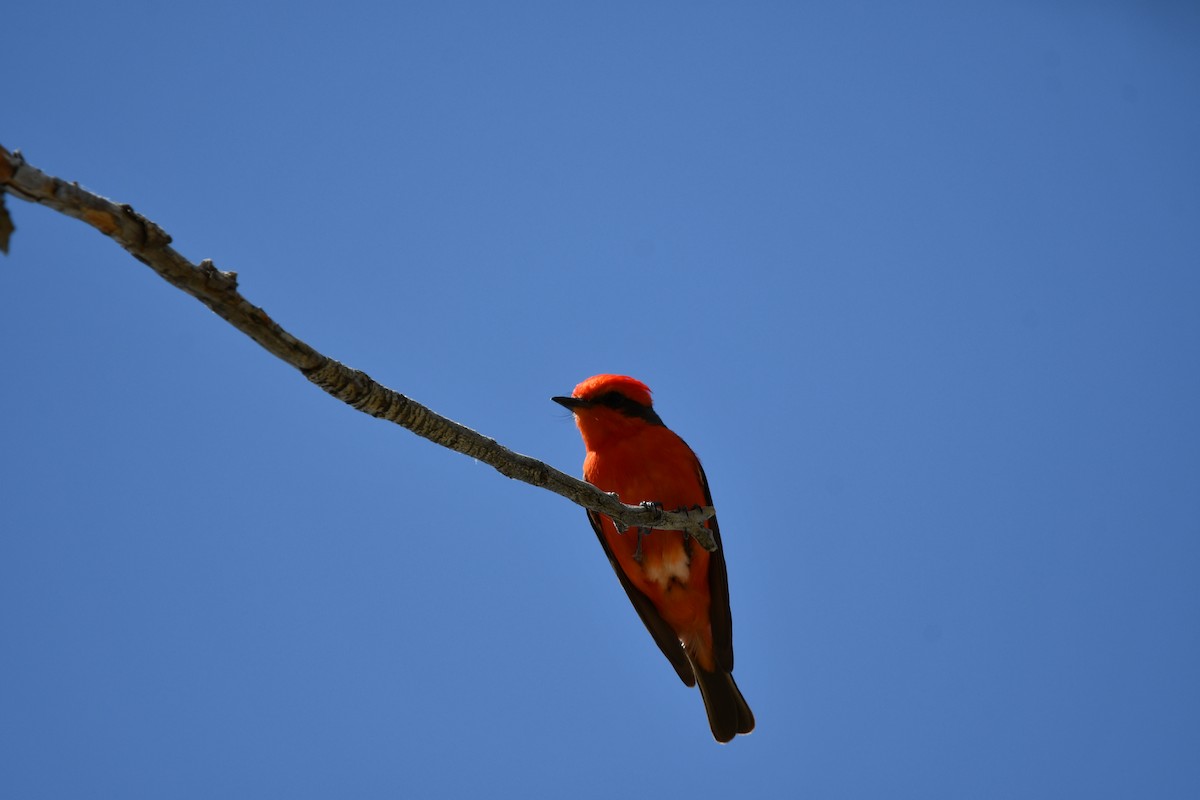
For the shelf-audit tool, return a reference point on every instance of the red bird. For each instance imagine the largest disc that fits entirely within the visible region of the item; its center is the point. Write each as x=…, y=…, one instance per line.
x=679, y=589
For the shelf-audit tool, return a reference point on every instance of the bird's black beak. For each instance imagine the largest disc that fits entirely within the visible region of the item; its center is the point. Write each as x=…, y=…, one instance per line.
x=571, y=403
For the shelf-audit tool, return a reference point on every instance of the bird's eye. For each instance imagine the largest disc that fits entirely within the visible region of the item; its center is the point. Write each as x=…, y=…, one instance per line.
x=612, y=400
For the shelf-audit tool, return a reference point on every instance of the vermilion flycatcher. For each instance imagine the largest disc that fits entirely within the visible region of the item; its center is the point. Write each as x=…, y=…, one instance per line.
x=679, y=589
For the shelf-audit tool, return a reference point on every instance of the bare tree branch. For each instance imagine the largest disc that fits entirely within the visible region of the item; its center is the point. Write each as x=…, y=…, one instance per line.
x=150, y=244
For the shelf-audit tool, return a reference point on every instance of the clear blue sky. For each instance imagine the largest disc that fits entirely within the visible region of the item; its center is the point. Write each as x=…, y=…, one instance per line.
x=920, y=284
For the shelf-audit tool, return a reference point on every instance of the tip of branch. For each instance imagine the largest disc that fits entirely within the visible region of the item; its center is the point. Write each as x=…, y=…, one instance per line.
x=6, y=225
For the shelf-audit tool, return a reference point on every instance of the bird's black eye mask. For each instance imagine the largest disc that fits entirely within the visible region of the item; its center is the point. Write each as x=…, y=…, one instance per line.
x=627, y=406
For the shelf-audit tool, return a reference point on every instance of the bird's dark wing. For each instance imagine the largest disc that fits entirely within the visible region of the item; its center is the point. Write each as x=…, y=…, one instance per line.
x=664, y=637
x=719, y=615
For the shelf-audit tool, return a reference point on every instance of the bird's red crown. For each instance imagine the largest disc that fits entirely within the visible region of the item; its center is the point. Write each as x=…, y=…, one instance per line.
x=598, y=385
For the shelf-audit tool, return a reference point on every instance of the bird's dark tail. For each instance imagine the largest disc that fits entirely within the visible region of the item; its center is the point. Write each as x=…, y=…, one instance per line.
x=728, y=714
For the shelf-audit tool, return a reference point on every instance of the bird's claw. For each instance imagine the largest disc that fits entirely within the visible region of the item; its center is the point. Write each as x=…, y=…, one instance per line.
x=644, y=530
x=684, y=510
x=637, y=552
